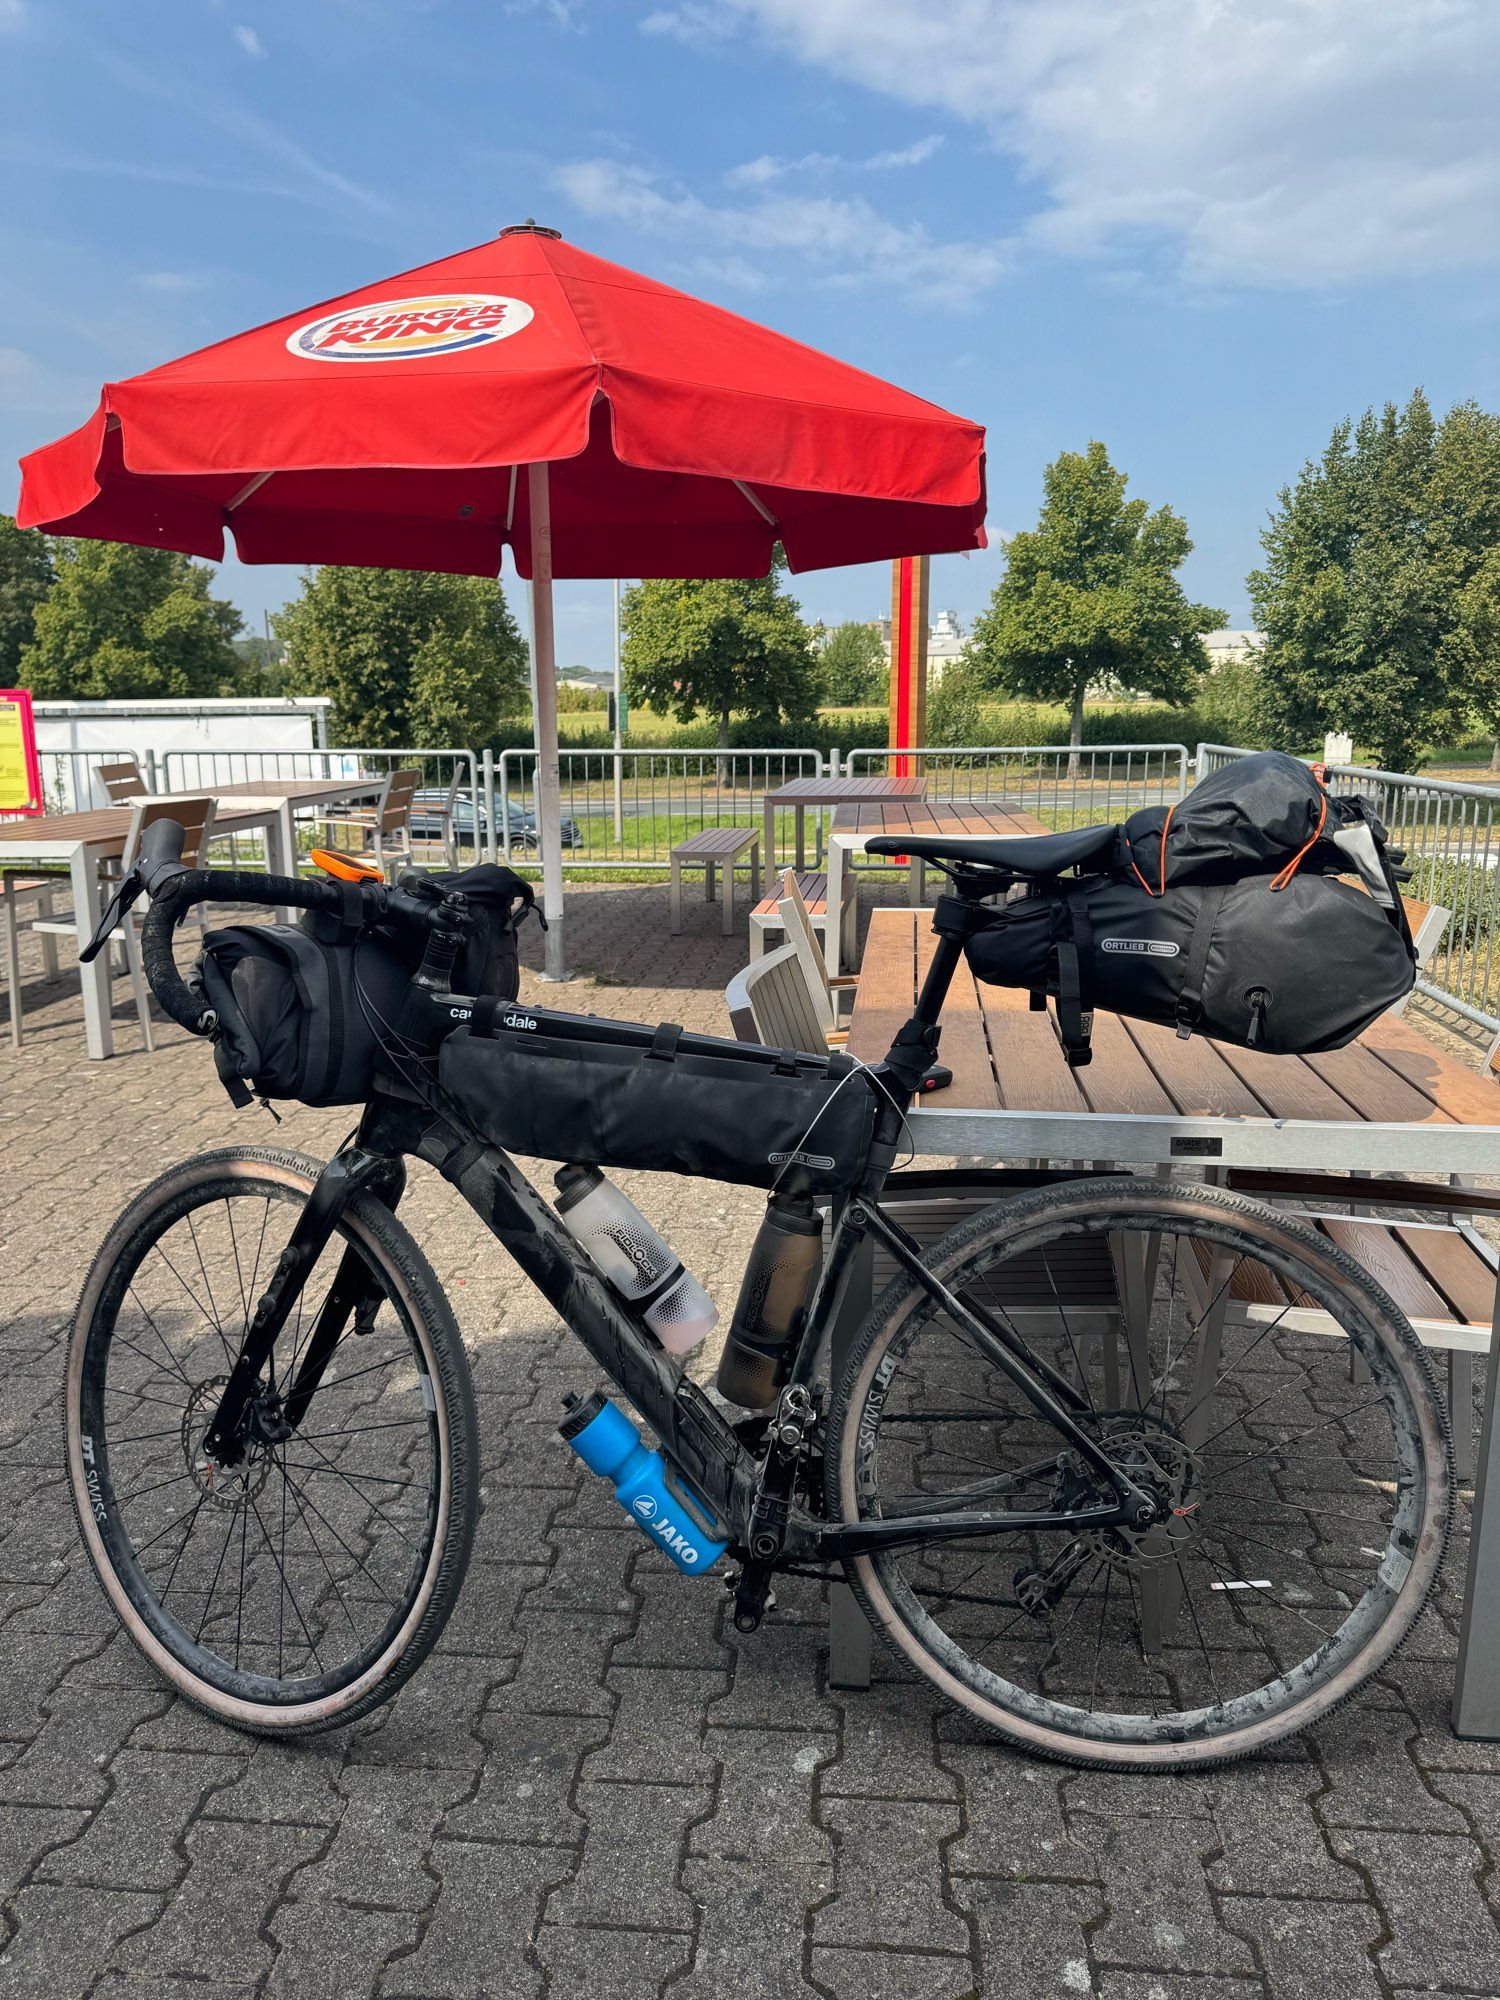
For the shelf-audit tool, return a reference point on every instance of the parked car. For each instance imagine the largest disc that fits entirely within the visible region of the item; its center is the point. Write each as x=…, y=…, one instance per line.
x=470, y=822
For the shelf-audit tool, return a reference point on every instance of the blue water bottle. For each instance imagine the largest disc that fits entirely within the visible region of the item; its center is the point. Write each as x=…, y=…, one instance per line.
x=645, y=1486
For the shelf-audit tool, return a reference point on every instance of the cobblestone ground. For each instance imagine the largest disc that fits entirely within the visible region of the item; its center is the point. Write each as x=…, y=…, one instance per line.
x=593, y=1788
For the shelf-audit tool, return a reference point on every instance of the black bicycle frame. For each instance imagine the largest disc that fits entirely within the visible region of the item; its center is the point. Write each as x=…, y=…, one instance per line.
x=692, y=1433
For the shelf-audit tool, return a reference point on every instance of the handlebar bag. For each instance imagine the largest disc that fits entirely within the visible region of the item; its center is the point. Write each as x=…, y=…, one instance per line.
x=799, y=1122
x=498, y=900
x=1290, y=969
x=297, y=1016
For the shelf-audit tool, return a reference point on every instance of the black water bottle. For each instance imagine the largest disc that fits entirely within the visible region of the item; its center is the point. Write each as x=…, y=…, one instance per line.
x=774, y=1295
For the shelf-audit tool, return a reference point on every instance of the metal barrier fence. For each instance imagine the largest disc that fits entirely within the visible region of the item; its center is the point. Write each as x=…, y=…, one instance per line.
x=628, y=810
x=444, y=772
x=68, y=780
x=1451, y=837
x=1066, y=787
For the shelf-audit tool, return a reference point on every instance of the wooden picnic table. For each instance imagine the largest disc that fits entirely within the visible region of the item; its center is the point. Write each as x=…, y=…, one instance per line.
x=1390, y=1102
x=855, y=825
x=86, y=840
x=800, y=795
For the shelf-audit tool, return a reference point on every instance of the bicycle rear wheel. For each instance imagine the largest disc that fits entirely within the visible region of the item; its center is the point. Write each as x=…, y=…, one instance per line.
x=297, y=1589
x=1241, y=1368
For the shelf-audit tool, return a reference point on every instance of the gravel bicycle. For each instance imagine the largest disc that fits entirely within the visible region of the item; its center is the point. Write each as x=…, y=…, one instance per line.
x=1136, y=1473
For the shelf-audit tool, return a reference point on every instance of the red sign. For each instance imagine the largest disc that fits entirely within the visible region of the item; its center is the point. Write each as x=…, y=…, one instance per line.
x=20, y=769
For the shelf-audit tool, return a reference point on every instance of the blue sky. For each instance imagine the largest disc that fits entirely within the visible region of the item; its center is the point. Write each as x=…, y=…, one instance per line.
x=1201, y=230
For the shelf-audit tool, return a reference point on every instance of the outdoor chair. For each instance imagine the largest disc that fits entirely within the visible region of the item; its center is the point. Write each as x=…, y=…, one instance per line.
x=811, y=891
x=771, y=1002
x=196, y=817
x=385, y=826
x=1427, y=923
x=122, y=781
x=19, y=891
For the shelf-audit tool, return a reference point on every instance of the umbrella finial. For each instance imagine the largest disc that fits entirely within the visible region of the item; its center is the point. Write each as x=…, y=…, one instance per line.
x=531, y=227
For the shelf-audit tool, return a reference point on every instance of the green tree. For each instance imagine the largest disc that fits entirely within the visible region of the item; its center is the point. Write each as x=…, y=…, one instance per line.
x=410, y=657
x=123, y=622
x=26, y=575
x=855, y=674
x=954, y=716
x=1377, y=591
x=1090, y=597
x=729, y=646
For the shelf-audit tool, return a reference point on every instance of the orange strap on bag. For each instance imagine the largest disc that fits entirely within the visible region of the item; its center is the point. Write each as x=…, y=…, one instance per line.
x=1283, y=880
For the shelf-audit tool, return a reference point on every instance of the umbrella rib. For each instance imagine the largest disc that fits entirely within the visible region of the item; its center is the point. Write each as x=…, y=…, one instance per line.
x=764, y=512
x=251, y=486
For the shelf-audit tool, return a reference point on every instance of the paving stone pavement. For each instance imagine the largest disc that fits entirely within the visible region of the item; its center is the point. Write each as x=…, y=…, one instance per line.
x=594, y=1788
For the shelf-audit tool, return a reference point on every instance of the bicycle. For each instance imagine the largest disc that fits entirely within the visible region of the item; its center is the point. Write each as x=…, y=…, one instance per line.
x=1075, y=1466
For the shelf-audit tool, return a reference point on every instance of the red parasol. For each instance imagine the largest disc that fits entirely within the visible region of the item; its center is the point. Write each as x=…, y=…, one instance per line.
x=659, y=435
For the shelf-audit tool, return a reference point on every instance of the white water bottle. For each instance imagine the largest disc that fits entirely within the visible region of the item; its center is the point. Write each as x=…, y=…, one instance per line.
x=635, y=1260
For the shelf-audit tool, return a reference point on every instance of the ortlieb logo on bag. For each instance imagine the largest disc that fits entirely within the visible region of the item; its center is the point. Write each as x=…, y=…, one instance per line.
x=1148, y=947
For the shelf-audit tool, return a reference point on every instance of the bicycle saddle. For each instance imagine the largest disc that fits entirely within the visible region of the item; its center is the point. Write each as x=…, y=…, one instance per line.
x=1026, y=854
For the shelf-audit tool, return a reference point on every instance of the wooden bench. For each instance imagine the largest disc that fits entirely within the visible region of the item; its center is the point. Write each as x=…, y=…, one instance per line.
x=1443, y=1275
x=721, y=848
x=812, y=889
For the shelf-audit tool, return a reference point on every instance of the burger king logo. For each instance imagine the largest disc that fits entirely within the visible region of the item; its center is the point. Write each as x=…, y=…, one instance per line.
x=410, y=329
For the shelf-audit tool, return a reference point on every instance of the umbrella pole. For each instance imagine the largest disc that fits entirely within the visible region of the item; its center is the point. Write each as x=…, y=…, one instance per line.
x=544, y=718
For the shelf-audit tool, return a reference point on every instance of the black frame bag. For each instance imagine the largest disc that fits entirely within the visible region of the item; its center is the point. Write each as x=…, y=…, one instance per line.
x=799, y=1122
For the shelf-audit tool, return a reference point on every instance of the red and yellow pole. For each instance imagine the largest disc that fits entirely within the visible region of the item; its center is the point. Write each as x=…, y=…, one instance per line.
x=908, y=707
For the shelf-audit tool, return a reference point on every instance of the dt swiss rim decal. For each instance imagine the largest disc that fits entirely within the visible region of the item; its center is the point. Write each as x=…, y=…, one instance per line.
x=410, y=329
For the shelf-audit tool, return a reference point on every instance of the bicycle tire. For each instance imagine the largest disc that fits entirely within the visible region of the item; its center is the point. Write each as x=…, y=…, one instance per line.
x=1049, y=1215
x=422, y=1314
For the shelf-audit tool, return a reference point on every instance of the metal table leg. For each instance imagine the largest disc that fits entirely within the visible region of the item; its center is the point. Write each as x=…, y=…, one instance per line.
x=1476, y=1684
x=97, y=1032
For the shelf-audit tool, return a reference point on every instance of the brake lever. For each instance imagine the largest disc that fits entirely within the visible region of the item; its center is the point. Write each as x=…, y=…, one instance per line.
x=130, y=889
x=145, y=877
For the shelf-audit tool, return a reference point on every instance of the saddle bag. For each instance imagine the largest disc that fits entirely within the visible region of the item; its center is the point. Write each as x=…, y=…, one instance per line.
x=532, y=1084
x=1226, y=917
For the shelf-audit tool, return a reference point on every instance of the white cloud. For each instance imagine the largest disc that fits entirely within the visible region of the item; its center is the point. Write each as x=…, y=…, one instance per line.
x=768, y=167
x=12, y=14
x=1301, y=142
x=250, y=42
x=171, y=284
x=697, y=23
x=839, y=240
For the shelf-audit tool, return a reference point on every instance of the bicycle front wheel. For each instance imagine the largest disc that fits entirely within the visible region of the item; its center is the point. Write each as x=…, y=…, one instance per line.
x=297, y=1589
x=1240, y=1368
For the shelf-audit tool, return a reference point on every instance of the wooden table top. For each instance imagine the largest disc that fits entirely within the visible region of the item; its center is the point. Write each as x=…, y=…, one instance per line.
x=929, y=817
x=106, y=828
x=1008, y=1068
x=290, y=790
x=833, y=791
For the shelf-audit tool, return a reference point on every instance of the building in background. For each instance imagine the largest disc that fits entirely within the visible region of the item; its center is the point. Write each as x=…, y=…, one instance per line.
x=946, y=640
x=1222, y=647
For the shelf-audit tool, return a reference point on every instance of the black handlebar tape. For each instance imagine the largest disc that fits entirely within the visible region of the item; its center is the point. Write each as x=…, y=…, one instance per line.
x=219, y=885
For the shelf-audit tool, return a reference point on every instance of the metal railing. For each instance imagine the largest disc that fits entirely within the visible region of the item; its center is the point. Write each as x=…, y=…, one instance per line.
x=191, y=770
x=1064, y=786
x=628, y=810
x=68, y=782
x=1450, y=835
